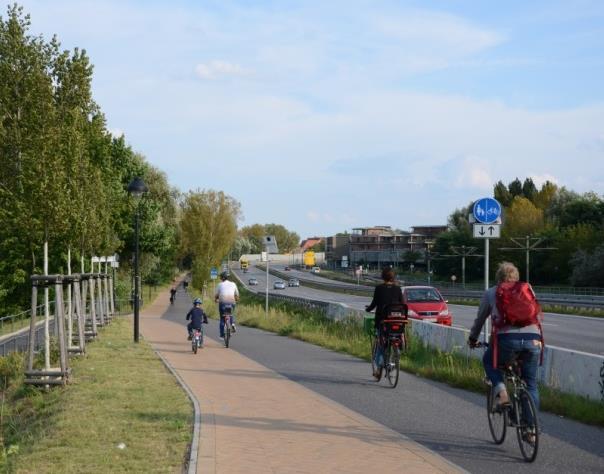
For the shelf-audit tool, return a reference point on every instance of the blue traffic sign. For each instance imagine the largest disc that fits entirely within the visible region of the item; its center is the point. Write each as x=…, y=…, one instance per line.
x=487, y=210
x=213, y=273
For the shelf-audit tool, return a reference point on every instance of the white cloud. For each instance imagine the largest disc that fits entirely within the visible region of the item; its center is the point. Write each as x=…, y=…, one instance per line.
x=541, y=179
x=312, y=216
x=116, y=132
x=474, y=174
x=217, y=69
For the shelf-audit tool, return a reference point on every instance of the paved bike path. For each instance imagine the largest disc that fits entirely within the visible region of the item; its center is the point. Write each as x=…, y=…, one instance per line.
x=257, y=421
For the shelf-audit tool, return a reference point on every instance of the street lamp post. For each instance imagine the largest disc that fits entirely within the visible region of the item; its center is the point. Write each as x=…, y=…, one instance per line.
x=136, y=189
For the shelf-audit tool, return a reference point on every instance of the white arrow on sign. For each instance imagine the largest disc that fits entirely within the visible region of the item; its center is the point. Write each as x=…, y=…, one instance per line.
x=487, y=231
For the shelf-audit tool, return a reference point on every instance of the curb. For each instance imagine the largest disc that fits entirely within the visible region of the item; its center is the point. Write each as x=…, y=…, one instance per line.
x=194, y=453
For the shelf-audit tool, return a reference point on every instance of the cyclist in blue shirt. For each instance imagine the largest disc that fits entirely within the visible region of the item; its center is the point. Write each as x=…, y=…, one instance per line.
x=197, y=316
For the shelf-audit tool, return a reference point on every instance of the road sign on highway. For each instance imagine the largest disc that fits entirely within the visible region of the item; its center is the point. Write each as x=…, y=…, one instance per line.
x=487, y=231
x=213, y=273
x=486, y=210
x=270, y=242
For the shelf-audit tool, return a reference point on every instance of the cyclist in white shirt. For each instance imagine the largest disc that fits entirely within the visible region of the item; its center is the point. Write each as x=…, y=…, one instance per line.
x=226, y=294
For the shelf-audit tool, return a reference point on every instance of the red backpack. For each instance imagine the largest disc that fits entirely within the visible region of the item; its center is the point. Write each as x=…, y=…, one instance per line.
x=517, y=306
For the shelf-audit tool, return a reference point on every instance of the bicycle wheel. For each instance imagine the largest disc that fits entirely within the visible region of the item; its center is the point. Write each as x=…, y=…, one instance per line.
x=498, y=418
x=194, y=345
x=393, y=365
x=528, y=428
x=227, y=333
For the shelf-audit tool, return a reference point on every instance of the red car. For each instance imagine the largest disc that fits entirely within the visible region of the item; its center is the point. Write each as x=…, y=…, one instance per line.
x=426, y=303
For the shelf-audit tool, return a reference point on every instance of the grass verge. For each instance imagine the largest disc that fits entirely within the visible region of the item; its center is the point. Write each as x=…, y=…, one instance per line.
x=123, y=412
x=288, y=319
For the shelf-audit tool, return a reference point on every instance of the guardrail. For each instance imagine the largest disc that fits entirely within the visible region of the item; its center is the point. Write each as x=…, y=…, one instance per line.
x=571, y=300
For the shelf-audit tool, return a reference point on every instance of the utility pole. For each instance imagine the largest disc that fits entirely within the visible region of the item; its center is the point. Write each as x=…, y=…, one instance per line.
x=528, y=244
x=463, y=252
x=429, y=244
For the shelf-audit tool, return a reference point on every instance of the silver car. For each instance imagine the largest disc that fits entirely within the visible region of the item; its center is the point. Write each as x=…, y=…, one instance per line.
x=252, y=282
x=293, y=282
x=279, y=285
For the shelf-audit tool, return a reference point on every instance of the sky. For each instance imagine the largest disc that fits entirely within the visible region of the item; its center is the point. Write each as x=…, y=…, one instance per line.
x=329, y=115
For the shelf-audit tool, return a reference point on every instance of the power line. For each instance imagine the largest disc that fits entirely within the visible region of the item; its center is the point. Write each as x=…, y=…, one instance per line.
x=463, y=252
x=528, y=244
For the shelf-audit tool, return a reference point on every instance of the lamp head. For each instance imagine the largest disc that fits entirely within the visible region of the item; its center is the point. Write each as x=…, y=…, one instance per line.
x=137, y=187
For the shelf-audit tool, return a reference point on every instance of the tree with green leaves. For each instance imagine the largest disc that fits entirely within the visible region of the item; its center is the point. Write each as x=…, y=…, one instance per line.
x=208, y=228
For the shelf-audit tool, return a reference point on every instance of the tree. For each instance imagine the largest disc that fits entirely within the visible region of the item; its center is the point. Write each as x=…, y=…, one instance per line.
x=255, y=235
x=522, y=218
x=286, y=240
x=545, y=196
x=208, y=230
x=529, y=190
x=63, y=178
x=588, y=268
x=501, y=193
x=588, y=209
x=515, y=188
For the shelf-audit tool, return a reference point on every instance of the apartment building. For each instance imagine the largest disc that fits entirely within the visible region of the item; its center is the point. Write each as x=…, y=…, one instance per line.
x=379, y=246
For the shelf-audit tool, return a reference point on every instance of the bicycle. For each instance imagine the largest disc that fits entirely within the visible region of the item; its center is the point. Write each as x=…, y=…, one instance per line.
x=521, y=413
x=394, y=342
x=228, y=322
x=196, y=339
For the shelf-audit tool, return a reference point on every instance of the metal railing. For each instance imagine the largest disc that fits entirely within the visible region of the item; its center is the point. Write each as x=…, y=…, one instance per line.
x=455, y=291
x=19, y=342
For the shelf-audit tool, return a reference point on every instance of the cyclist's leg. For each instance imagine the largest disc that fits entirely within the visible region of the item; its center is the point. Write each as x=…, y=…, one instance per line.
x=221, y=312
x=493, y=373
x=233, y=314
x=530, y=362
x=379, y=353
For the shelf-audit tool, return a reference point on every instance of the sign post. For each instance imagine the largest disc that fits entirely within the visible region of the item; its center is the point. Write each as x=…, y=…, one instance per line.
x=213, y=276
x=486, y=214
x=270, y=243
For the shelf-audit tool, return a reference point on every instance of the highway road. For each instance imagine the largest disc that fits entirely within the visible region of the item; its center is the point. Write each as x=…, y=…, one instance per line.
x=573, y=332
x=449, y=421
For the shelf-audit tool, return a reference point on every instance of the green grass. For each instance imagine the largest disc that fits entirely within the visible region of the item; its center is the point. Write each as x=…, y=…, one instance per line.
x=120, y=393
x=348, y=336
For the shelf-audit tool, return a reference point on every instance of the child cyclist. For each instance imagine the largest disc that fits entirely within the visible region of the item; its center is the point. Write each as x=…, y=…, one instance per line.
x=197, y=316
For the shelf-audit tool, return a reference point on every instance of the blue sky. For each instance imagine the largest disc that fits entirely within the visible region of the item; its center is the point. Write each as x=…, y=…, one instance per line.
x=324, y=116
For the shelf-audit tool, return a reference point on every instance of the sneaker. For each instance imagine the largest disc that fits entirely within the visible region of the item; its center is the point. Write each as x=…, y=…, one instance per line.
x=378, y=374
x=221, y=337
x=234, y=328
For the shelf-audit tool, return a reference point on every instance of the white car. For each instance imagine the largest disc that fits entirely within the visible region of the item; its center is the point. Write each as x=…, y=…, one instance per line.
x=293, y=282
x=279, y=285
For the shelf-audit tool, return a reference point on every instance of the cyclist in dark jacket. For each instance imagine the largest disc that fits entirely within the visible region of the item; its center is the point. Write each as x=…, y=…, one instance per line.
x=384, y=295
x=197, y=317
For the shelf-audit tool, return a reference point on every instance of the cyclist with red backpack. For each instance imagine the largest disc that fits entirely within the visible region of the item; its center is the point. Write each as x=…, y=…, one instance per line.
x=516, y=330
